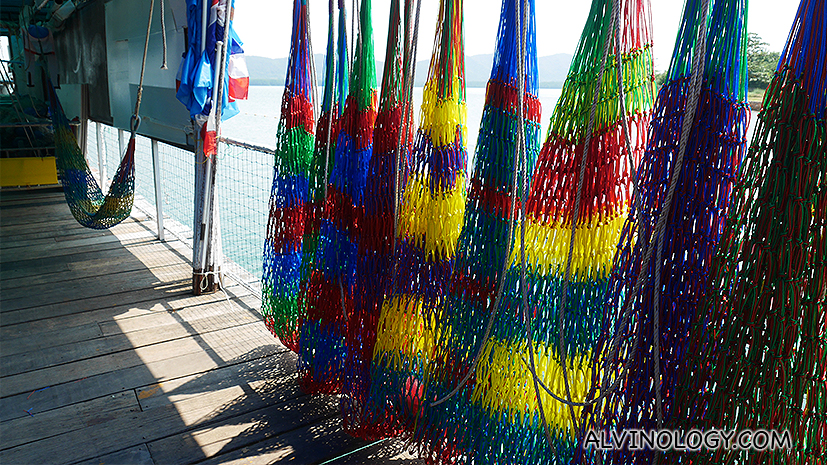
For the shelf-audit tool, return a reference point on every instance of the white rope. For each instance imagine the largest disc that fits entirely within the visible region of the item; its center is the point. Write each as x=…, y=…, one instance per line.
x=410, y=75
x=163, y=36
x=134, y=126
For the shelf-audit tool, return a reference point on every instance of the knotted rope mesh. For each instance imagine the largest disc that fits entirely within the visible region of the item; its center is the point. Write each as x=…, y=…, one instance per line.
x=375, y=236
x=327, y=132
x=430, y=220
x=451, y=431
x=331, y=287
x=88, y=205
x=289, y=197
x=504, y=398
x=759, y=339
x=715, y=147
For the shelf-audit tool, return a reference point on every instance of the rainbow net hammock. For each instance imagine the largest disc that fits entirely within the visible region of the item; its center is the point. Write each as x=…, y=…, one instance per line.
x=430, y=219
x=330, y=292
x=290, y=193
x=83, y=195
x=447, y=430
x=327, y=129
x=375, y=237
x=759, y=358
x=504, y=407
x=694, y=221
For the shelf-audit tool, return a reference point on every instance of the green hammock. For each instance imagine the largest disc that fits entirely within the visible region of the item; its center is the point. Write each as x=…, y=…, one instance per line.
x=83, y=194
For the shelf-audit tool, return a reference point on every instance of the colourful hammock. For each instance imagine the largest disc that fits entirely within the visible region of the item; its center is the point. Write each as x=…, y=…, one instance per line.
x=430, y=220
x=289, y=195
x=375, y=237
x=504, y=399
x=715, y=146
x=330, y=294
x=83, y=195
x=450, y=428
x=759, y=357
x=327, y=128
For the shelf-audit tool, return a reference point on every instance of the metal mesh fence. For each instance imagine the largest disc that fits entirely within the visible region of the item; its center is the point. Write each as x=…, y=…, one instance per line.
x=244, y=178
x=110, y=149
x=178, y=189
x=144, y=175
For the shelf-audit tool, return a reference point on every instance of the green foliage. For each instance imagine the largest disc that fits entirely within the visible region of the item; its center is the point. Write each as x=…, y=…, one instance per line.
x=660, y=78
x=761, y=62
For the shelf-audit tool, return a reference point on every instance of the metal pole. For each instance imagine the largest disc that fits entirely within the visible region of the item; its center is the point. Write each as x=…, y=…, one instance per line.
x=101, y=165
x=206, y=222
x=121, y=144
x=159, y=191
x=204, y=8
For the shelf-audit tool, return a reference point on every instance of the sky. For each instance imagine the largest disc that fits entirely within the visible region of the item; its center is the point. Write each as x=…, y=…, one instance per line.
x=265, y=25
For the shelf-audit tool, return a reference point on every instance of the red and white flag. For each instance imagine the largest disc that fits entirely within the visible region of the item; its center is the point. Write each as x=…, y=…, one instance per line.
x=239, y=77
x=209, y=136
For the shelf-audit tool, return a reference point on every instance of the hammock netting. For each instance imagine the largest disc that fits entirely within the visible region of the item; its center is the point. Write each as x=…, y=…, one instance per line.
x=87, y=203
x=375, y=237
x=503, y=399
x=715, y=147
x=759, y=340
x=289, y=197
x=430, y=220
x=452, y=429
x=330, y=291
x=327, y=131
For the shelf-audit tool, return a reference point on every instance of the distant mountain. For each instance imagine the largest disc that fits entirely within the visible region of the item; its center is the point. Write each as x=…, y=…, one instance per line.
x=552, y=70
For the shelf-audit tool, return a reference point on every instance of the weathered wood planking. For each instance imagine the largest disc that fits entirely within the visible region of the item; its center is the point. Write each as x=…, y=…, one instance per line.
x=167, y=326
x=168, y=298
x=106, y=357
x=198, y=400
x=215, y=348
x=40, y=236
x=70, y=247
x=138, y=455
x=83, y=288
x=312, y=443
x=97, y=263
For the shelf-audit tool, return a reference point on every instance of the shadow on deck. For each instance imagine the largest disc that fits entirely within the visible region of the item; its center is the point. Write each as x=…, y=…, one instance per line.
x=106, y=356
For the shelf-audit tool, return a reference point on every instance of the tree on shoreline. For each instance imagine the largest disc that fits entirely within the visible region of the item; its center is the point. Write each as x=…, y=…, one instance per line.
x=761, y=63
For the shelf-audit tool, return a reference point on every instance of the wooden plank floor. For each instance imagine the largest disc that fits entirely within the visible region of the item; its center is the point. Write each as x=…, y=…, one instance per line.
x=106, y=357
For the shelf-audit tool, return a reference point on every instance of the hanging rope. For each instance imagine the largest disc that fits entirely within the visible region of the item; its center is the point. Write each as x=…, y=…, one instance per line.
x=164, y=35
x=87, y=203
x=136, y=119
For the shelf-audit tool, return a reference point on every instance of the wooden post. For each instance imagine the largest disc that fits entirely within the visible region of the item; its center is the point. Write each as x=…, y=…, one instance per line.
x=159, y=192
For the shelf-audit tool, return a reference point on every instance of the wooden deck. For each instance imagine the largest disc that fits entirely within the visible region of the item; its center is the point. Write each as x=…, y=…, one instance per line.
x=106, y=356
